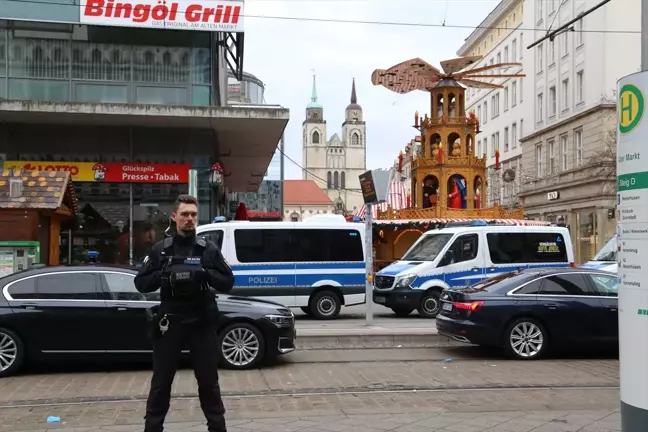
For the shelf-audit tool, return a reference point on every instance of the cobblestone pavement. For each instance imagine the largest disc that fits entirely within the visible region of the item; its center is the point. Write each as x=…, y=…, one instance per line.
x=312, y=378
x=540, y=410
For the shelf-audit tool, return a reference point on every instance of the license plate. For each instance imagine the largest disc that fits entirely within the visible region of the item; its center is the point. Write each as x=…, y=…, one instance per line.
x=380, y=300
x=447, y=306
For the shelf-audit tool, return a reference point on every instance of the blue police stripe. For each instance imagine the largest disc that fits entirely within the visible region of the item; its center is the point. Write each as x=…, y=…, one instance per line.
x=300, y=266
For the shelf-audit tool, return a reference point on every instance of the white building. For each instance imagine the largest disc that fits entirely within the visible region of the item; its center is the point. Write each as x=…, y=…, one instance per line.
x=335, y=164
x=403, y=173
x=569, y=151
x=499, y=39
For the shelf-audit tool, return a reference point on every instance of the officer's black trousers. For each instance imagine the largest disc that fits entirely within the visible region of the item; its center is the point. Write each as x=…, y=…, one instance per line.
x=166, y=355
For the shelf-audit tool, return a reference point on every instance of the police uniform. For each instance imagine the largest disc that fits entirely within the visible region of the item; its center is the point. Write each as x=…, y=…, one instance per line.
x=184, y=269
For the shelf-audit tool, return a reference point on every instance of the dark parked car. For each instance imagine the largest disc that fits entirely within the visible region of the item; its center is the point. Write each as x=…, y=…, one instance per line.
x=55, y=312
x=530, y=311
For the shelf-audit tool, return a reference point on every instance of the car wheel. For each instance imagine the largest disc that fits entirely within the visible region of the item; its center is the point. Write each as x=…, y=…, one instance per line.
x=325, y=305
x=402, y=312
x=525, y=339
x=430, y=304
x=242, y=346
x=12, y=352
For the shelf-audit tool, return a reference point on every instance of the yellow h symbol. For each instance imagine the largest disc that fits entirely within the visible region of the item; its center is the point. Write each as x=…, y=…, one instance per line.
x=626, y=107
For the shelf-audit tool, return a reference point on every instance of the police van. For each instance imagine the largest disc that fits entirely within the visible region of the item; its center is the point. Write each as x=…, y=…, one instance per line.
x=463, y=254
x=606, y=258
x=317, y=265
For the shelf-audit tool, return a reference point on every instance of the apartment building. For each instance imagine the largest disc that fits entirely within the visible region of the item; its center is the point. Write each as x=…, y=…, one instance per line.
x=568, y=144
x=499, y=39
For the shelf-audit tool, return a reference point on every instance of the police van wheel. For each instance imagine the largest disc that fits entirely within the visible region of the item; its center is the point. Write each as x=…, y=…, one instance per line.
x=325, y=305
x=241, y=346
x=430, y=304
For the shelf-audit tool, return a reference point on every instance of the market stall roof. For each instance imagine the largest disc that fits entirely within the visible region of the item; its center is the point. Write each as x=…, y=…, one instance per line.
x=518, y=222
x=397, y=200
x=38, y=190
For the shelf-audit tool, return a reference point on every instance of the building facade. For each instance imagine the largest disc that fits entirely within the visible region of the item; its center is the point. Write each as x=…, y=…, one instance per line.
x=403, y=166
x=500, y=111
x=303, y=199
x=569, y=148
x=335, y=164
x=133, y=110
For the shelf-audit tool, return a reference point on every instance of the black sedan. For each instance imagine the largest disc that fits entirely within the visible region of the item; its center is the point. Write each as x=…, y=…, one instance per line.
x=93, y=311
x=528, y=312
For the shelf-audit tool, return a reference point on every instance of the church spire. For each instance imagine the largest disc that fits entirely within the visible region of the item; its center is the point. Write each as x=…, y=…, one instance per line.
x=313, y=103
x=354, y=98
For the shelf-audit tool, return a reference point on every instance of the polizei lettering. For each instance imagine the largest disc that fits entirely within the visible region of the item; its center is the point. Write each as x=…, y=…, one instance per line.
x=161, y=13
x=262, y=280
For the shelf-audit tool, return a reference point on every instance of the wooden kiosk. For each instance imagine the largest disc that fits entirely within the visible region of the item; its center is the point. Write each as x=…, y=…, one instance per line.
x=448, y=177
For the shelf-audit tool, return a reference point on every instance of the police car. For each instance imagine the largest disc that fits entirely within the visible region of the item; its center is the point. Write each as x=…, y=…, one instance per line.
x=606, y=258
x=465, y=253
x=317, y=265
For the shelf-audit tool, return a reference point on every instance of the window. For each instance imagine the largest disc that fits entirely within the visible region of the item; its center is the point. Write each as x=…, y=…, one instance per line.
x=521, y=46
x=428, y=248
x=521, y=89
x=552, y=157
x=531, y=288
x=540, y=11
x=514, y=50
x=579, y=33
x=463, y=249
x=514, y=93
x=342, y=180
x=329, y=179
x=506, y=139
x=567, y=284
x=539, y=173
x=526, y=247
x=565, y=43
x=24, y=289
x=579, y=86
x=506, y=55
x=499, y=57
x=479, y=113
x=316, y=137
x=563, y=153
x=495, y=106
x=606, y=286
x=578, y=144
x=495, y=145
x=122, y=288
x=565, y=94
x=552, y=53
x=355, y=139
x=479, y=149
x=485, y=118
x=539, y=109
x=67, y=286
x=485, y=147
x=216, y=236
x=514, y=135
x=552, y=6
x=540, y=60
x=262, y=245
x=506, y=98
x=521, y=128
x=317, y=245
x=552, y=101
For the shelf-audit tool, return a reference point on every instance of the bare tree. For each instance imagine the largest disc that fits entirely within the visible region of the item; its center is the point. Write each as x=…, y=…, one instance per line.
x=602, y=164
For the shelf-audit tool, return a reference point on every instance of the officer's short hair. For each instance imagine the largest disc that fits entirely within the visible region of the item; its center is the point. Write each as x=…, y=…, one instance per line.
x=184, y=199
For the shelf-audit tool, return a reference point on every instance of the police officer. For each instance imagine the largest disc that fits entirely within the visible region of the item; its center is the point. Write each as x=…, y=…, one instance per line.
x=185, y=269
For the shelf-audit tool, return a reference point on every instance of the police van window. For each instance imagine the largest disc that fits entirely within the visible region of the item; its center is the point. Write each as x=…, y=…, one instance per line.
x=573, y=284
x=321, y=245
x=67, y=286
x=464, y=248
x=216, y=236
x=427, y=248
x=23, y=289
x=262, y=245
x=122, y=287
x=510, y=248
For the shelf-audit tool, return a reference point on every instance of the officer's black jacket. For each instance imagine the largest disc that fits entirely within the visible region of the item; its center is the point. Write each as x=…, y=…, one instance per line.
x=219, y=273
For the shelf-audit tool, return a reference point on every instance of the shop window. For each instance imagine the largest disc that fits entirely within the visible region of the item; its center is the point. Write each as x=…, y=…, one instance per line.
x=586, y=247
x=35, y=89
x=100, y=93
x=161, y=95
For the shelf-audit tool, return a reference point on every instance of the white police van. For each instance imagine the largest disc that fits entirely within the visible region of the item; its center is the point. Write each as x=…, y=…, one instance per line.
x=606, y=258
x=317, y=265
x=465, y=253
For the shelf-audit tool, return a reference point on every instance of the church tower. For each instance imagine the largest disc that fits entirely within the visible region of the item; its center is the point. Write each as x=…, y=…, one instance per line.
x=354, y=135
x=314, y=140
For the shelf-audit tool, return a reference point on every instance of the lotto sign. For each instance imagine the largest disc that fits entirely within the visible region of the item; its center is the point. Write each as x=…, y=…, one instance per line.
x=631, y=108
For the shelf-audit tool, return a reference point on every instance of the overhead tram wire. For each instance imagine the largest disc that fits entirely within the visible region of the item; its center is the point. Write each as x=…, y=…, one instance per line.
x=384, y=23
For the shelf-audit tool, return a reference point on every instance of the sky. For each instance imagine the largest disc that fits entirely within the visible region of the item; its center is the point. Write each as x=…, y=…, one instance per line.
x=283, y=53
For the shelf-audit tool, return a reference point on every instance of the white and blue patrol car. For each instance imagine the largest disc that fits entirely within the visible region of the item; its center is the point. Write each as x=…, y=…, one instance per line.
x=317, y=265
x=606, y=258
x=465, y=253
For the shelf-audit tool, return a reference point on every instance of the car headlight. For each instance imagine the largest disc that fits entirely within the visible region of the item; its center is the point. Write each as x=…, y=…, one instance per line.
x=405, y=281
x=281, y=319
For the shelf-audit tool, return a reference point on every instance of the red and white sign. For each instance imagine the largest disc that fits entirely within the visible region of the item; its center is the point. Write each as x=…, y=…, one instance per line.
x=199, y=15
x=112, y=172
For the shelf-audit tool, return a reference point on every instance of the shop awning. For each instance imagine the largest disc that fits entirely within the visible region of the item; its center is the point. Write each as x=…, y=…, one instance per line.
x=435, y=221
x=248, y=135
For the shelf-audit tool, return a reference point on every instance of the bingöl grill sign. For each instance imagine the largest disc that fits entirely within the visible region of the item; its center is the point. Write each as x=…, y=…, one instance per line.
x=202, y=15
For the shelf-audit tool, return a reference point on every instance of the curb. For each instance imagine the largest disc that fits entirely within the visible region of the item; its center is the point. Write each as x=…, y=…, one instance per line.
x=368, y=339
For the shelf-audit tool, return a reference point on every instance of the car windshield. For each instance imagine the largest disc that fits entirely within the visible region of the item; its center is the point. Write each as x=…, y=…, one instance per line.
x=496, y=282
x=428, y=248
x=608, y=252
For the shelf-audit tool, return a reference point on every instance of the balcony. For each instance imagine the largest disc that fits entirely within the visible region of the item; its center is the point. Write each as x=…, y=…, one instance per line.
x=459, y=161
x=438, y=212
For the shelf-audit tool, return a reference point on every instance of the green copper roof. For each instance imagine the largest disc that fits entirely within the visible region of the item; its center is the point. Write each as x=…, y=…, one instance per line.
x=314, y=103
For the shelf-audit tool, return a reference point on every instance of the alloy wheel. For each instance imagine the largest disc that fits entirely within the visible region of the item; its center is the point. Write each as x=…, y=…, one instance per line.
x=8, y=351
x=526, y=339
x=240, y=346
